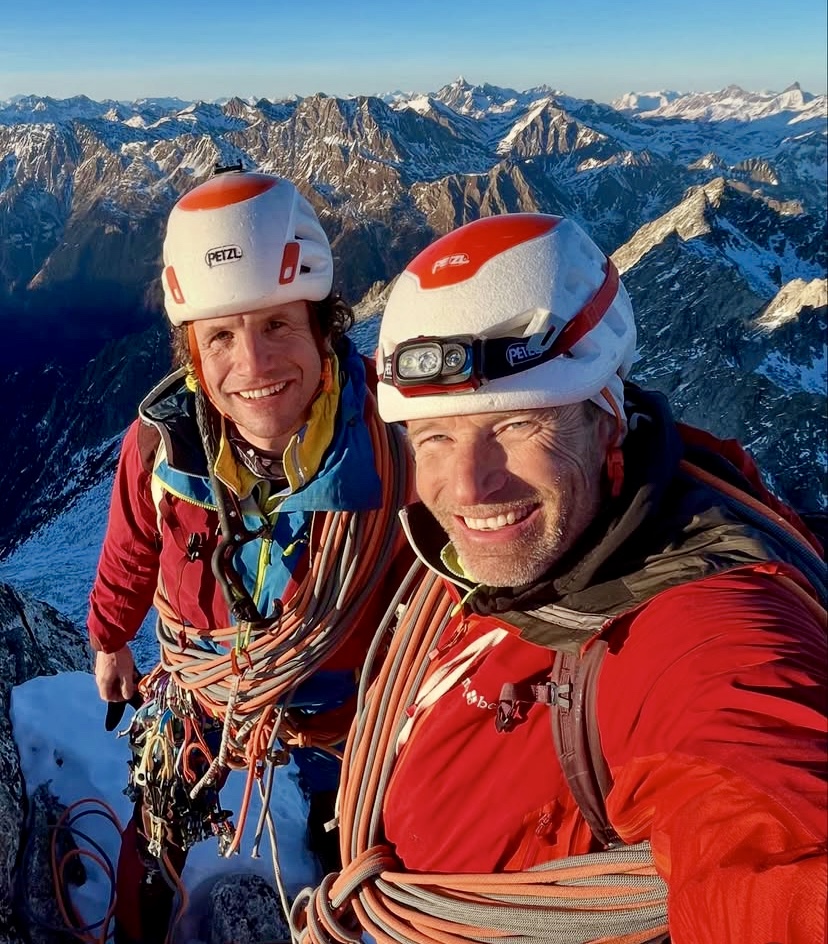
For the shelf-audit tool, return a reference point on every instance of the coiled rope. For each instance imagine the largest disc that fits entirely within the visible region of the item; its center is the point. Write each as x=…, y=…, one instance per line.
x=249, y=685
x=614, y=895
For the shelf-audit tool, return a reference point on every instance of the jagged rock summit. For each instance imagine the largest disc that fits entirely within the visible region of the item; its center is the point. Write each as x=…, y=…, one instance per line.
x=34, y=640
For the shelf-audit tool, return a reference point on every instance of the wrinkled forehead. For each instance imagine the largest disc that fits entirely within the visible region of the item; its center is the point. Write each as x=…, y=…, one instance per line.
x=294, y=312
x=569, y=415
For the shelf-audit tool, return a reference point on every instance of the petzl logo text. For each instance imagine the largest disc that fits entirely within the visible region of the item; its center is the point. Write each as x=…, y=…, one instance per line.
x=222, y=254
x=519, y=353
x=458, y=259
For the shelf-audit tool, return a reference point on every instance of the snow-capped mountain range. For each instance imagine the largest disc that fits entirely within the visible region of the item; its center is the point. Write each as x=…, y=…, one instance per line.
x=713, y=204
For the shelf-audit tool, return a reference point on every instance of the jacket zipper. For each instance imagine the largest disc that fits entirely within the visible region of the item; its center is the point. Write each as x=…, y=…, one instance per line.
x=186, y=498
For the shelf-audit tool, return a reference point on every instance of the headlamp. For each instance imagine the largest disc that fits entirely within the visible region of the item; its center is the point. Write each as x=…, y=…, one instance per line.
x=432, y=360
x=429, y=363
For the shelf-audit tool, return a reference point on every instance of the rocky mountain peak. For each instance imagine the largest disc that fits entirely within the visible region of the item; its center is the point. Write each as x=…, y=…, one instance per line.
x=790, y=300
x=706, y=218
x=689, y=219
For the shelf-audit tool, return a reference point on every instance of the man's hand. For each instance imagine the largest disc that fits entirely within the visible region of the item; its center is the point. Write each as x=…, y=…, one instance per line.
x=115, y=675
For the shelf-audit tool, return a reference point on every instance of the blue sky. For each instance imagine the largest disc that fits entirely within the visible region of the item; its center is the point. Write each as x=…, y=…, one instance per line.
x=588, y=48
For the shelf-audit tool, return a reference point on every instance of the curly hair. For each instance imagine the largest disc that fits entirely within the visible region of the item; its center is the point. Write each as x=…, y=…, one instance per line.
x=332, y=318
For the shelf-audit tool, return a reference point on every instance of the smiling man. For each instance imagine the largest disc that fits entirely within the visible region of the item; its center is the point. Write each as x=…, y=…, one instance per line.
x=512, y=490
x=619, y=650
x=254, y=507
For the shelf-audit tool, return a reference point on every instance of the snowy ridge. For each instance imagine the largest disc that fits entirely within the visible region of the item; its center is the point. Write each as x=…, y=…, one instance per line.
x=705, y=210
x=790, y=300
x=83, y=204
x=638, y=103
x=731, y=103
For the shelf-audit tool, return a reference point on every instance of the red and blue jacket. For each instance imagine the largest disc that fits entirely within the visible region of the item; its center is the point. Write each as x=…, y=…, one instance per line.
x=163, y=523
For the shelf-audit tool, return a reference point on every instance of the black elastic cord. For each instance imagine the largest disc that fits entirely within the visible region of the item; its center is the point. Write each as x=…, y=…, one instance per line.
x=234, y=534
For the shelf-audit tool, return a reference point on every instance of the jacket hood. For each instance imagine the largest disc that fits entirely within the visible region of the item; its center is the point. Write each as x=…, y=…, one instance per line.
x=170, y=408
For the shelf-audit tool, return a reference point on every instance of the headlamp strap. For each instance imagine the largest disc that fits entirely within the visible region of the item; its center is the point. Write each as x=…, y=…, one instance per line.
x=502, y=357
x=493, y=358
x=589, y=316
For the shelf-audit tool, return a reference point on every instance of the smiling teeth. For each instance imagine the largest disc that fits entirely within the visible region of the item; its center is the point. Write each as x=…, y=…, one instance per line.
x=262, y=391
x=499, y=521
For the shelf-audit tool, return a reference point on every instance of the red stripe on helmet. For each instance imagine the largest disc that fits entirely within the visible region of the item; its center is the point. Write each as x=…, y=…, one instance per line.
x=290, y=263
x=459, y=255
x=175, y=288
x=590, y=314
x=226, y=189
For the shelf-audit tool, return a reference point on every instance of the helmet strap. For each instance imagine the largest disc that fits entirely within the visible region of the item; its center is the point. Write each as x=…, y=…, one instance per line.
x=197, y=372
x=195, y=355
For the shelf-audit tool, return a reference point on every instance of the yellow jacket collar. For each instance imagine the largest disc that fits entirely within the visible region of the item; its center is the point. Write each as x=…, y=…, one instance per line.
x=451, y=562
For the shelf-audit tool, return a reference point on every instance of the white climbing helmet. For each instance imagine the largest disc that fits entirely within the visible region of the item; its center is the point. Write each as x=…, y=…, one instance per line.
x=242, y=242
x=512, y=312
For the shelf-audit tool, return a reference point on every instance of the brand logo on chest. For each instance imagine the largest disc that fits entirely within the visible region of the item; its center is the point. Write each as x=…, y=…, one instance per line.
x=474, y=699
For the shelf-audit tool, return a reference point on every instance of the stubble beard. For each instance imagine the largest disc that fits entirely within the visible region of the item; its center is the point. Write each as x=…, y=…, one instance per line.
x=517, y=563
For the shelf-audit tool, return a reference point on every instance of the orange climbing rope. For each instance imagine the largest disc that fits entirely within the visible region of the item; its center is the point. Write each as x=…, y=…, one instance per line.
x=248, y=685
x=615, y=895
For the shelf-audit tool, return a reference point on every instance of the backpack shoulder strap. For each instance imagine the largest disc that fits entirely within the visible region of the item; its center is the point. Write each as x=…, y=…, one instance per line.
x=571, y=694
x=731, y=469
x=578, y=740
x=149, y=439
x=151, y=450
x=725, y=467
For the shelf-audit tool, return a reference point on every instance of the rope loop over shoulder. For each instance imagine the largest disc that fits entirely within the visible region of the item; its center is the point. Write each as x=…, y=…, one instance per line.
x=612, y=896
x=245, y=675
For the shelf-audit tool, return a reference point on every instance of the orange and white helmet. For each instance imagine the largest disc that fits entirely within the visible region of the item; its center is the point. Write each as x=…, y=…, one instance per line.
x=242, y=242
x=512, y=312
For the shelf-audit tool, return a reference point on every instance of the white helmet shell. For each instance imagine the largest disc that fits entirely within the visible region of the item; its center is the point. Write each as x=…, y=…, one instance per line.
x=243, y=242
x=511, y=275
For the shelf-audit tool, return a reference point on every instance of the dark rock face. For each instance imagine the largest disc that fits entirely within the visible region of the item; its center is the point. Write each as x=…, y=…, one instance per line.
x=34, y=640
x=709, y=338
x=36, y=905
x=62, y=424
x=240, y=908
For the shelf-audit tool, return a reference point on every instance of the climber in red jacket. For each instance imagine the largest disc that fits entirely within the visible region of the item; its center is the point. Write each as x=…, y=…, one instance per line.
x=254, y=507
x=618, y=650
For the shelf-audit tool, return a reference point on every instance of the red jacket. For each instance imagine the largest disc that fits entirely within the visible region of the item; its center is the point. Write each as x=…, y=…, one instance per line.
x=711, y=705
x=711, y=713
x=170, y=536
